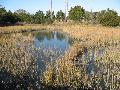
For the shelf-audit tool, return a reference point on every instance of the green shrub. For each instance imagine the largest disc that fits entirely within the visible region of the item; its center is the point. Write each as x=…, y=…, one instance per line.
x=77, y=13
x=108, y=18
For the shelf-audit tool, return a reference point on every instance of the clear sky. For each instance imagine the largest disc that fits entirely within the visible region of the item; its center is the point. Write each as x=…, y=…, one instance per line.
x=34, y=5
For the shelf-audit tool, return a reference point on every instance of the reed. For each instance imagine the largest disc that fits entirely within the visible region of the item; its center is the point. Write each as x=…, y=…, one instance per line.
x=81, y=67
x=63, y=72
x=14, y=56
x=73, y=72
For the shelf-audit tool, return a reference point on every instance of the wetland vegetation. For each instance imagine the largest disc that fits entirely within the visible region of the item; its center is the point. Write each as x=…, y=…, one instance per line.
x=44, y=51
x=61, y=59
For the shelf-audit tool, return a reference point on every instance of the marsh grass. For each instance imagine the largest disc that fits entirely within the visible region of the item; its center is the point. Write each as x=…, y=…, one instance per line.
x=25, y=28
x=72, y=69
x=64, y=73
x=17, y=62
x=77, y=73
x=89, y=37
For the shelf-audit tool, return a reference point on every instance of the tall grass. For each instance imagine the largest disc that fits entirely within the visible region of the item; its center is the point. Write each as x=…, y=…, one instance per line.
x=82, y=72
x=15, y=56
x=72, y=72
x=81, y=67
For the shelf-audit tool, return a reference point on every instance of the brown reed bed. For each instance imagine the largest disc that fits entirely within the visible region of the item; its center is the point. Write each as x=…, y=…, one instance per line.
x=70, y=70
x=25, y=28
x=14, y=58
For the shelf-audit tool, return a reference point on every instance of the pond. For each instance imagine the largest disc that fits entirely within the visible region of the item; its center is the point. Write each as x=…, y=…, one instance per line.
x=22, y=54
x=50, y=46
x=32, y=60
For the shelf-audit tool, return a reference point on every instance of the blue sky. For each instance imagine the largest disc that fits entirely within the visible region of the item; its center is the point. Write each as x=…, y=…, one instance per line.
x=34, y=5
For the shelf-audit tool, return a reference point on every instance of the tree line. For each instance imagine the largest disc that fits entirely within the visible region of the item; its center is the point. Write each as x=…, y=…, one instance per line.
x=76, y=14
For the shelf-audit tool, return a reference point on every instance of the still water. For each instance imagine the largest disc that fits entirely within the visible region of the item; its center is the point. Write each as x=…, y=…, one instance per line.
x=50, y=46
x=23, y=56
x=26, y=57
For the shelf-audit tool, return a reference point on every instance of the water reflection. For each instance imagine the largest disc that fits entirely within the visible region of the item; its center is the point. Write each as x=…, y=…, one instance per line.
x=27, y=59
x=51, y=40
x=50, y=45
x=102, y=67
x=23, y=57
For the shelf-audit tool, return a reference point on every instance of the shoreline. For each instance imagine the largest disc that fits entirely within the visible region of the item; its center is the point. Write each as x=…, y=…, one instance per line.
x=88, y=35
x=63, y=27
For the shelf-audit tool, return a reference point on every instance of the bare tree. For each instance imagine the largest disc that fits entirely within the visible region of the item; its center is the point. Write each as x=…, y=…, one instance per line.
x=67, y=4
x=66, y=9
x=51, y=8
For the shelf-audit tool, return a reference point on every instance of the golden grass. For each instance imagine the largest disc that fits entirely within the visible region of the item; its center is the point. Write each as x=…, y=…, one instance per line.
x=14, y=58
x=93, y=35
x=87, y=34
x=68, y=71
x=64, y=72
x=26, y=28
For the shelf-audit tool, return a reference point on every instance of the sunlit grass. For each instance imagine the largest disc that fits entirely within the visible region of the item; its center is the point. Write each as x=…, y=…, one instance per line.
x=61, y=71
x=14, y=56
x=72, y=72
x=71, y=69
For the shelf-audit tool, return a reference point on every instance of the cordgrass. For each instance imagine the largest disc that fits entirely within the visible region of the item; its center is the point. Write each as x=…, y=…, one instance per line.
x=68, y=70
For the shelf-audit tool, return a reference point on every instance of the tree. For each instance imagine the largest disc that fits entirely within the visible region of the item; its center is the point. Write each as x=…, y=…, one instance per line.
x=48, y=19
x=77, y=13
x=24, y=16
x=2, y=13
x=119, y=20
x=108, y=18
x=90, y=17
x=60, y=16
x=39, y=17
x=9, y=17
x=19, y=11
